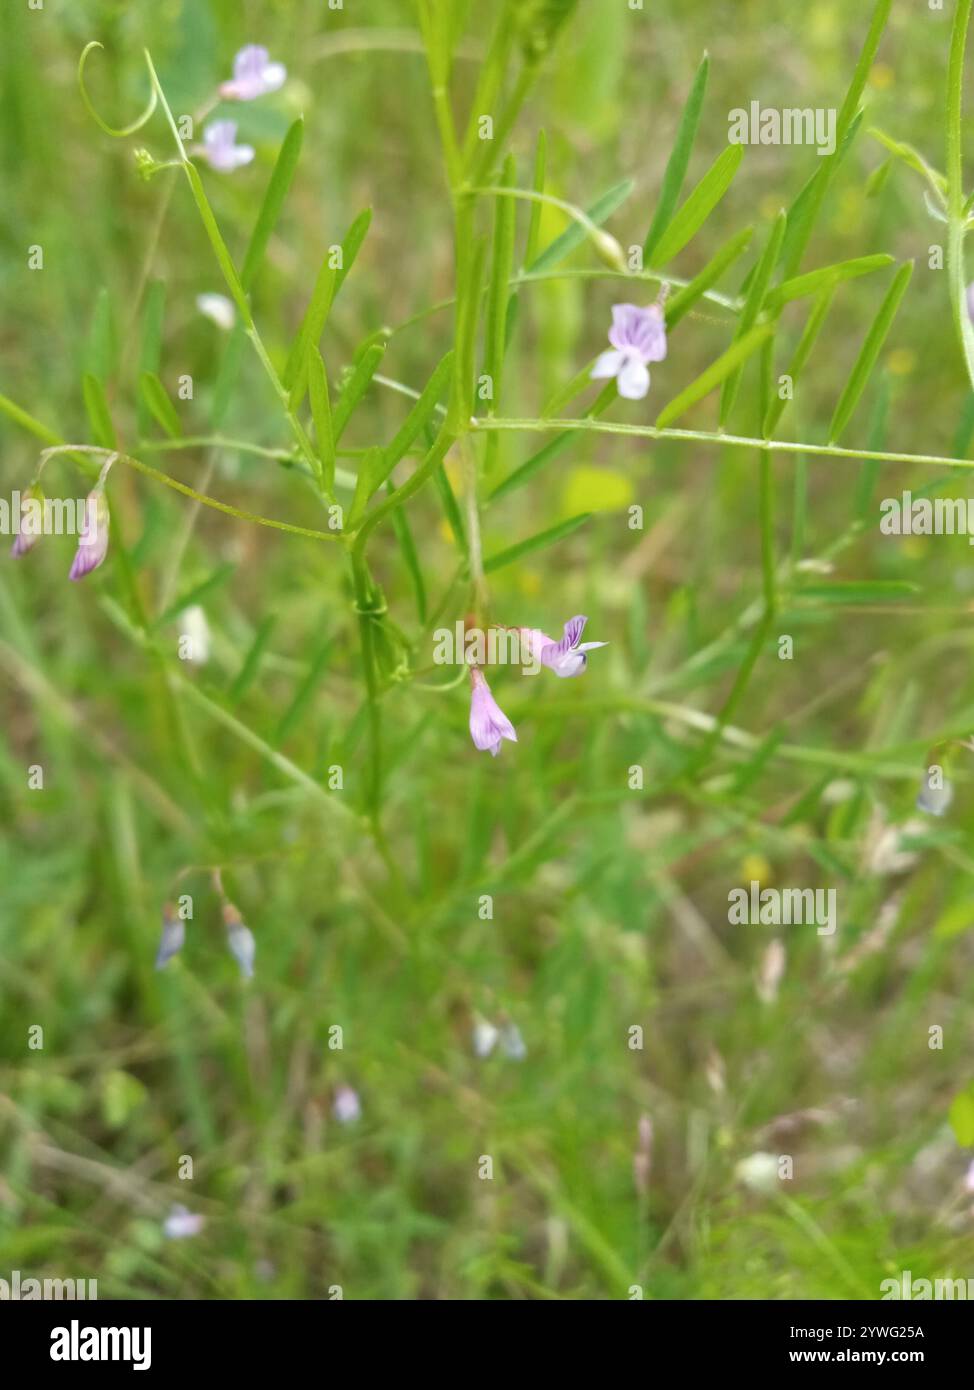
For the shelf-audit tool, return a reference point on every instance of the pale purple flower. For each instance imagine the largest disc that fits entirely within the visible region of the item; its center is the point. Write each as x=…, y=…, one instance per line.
x=173, y=936
x=347, y=1108
x=93, y=540
x=970, y=301
x=969, y=1178
x=240, y=940
x=31, y=521
x=637, y=336
x=254, y=75
x=642, y=1159
x=567, y=657
x=488, y=722
x=220, y=148
x=181, y=1223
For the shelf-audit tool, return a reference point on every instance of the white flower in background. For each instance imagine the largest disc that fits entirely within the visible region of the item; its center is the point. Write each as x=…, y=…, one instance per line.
x=240, y=940
x=194, y=632
x=758, y=1172
x=969, y=1179
x=771, y=970
x=254, y=75
x=936, y=793
x=347, y=1108
x=884, y=852
x=485, y=1036
x=181, y=1223
x=512, y=1044
x=220, y=148
x=173, y=936
x=218, y=309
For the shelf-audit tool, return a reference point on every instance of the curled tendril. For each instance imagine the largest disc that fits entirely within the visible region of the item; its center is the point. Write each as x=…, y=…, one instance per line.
x=119, y=131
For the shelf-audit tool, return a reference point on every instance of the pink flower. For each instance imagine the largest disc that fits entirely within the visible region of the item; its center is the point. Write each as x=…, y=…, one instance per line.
x=637, y=336
x=488, y=722
x=31, y=521
x=220, y=148
x=347, y=1108
x=567, y=657
x=93, y=540
x=254, y=75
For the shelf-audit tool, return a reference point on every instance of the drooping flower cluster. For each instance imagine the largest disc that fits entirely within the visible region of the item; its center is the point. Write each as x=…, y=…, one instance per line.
x=92, y=537
x=489, y=725
x=240, y=939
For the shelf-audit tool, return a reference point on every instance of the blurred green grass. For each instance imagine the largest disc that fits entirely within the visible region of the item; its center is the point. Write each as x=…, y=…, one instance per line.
x=609, y=905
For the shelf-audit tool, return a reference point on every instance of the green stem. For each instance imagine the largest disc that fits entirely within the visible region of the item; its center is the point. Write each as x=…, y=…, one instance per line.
x=956, y=219
x=188, y=491
x=782, y=446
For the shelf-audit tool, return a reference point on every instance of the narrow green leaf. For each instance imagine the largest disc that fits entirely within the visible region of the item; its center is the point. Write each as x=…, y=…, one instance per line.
x=304, y=692
x=365, y=486
x=684, y=299
x=227, y=374
x=806, y=342
x=312, y=325
x=329, y=282
x=533, y=543
x=251, y=663
x=869, y=352
x=270, y=209
x=801, y=285
x=699, y=205
x=407, y=545
x=753, y=304
x=538, y=182
x=911, y=157
x=351, y=246
x=498, y=294
x=321, y=415
x=355, y=388
x=99, y=416
x=27, y=422
x=157, y=400
x=150, y=344
x=803, y=212
x=418, y=418
x=735, y=356
x=574, y=235
x=101, y=353
x=676, y=165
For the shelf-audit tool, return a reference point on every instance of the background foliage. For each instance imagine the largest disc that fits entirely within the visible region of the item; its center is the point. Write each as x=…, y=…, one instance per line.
x=609, y=903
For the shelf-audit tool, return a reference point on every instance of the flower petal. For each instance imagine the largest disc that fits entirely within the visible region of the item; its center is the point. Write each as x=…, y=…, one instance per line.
x=608, y=364
x=633, y=380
